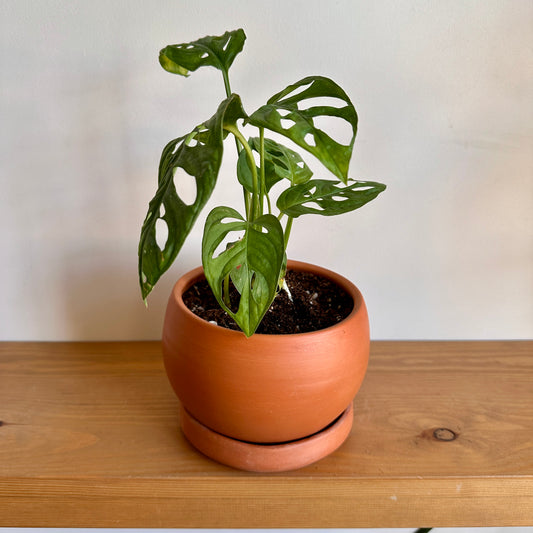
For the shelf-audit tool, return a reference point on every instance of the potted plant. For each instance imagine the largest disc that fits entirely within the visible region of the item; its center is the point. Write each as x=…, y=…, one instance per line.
x=254, y=400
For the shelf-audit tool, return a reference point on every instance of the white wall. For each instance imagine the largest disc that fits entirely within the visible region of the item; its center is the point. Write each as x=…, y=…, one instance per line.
x=443, y=91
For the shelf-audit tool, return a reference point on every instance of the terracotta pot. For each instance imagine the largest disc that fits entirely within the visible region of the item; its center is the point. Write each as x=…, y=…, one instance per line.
x=266, y=388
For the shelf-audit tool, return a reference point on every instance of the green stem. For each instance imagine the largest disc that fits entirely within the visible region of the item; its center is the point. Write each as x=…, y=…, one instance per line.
x=247, y=203
x=225, y=292
x=226, y=83
x=287, y=233
x=262, y=185
x=227, y=87
x=256, y=208
x=269, y=205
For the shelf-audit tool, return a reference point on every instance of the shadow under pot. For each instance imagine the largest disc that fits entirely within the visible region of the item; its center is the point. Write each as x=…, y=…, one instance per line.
x=266, y=403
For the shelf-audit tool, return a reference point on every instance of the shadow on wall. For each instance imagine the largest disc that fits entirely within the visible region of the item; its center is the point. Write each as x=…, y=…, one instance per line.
x=102, y=300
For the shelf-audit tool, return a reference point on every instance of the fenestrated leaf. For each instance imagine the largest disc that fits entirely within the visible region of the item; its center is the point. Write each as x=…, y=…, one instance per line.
x=213, y=51
x=325, y=197
x=302, y=130
x=258, y=255
x=199, y=154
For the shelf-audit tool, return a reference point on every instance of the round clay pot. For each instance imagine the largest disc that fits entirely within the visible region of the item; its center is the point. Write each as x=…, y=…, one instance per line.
x=265, y=388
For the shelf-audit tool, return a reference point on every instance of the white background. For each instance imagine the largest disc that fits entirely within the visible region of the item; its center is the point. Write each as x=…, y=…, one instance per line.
x=443, y=91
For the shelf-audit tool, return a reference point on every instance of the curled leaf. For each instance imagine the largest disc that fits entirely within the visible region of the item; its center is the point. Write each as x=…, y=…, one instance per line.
x=213, y=51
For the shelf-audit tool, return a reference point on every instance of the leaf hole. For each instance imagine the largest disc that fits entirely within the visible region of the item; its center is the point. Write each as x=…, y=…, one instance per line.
x=226, y=220
x=286, y=123
x=190, y=47
x=313, y=205
x=337, y=128
x=299, y=90
x=284, y=112
x=310, y=139
x=175, y=149
x=234, y=296
x=230, y=240
x=204, y=55
x=258, y=287
x=161, y=233
x=162, y=210
x=321, y=101
x=338, y=198
x=185, y=186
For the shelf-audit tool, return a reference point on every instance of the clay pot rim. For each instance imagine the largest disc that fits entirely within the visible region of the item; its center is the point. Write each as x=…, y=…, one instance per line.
x=192, y=276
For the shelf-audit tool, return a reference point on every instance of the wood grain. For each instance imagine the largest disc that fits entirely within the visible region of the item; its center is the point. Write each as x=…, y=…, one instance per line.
x=442, y=436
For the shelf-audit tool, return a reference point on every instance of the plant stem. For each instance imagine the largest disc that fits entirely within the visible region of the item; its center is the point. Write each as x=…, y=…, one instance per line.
x=262, y=185
x=247, y=203
x=246, y=194
x=225, y=292
x=287, y=233
x=269, y=204
x=227, y=87
x=256, y=208
x=226, y=83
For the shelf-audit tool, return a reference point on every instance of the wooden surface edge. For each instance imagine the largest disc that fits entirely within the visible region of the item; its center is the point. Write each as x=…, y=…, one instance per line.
x=266, y=502
x=500, y=494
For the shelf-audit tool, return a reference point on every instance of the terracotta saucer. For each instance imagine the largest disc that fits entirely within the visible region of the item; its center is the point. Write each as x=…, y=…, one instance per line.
x=267, y=457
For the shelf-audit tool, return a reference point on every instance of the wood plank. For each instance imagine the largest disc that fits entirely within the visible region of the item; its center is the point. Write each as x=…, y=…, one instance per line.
x=90, y=438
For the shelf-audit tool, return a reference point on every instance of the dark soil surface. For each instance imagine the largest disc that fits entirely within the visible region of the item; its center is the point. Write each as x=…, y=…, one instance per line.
x=317, y=303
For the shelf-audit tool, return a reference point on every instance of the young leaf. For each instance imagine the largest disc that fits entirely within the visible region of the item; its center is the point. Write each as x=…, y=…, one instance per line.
x=286, y=163
x=200, y=155
x=324, y=197
x=258, y=255
x=280, y=163
x=213, y=51
x=298, y=124
x=244, y=172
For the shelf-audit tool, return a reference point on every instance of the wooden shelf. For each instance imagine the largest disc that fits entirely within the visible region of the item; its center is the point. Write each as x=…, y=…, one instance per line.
x=443, y=436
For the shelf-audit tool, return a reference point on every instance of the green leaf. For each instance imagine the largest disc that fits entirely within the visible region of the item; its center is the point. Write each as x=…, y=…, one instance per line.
x=200, y=155
x=258, y=255
x=280, y=163
x=285, y=163
x=245, y=176
x=289, y=105
x=244, y=172
x=213, y=51
x=325, y=197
